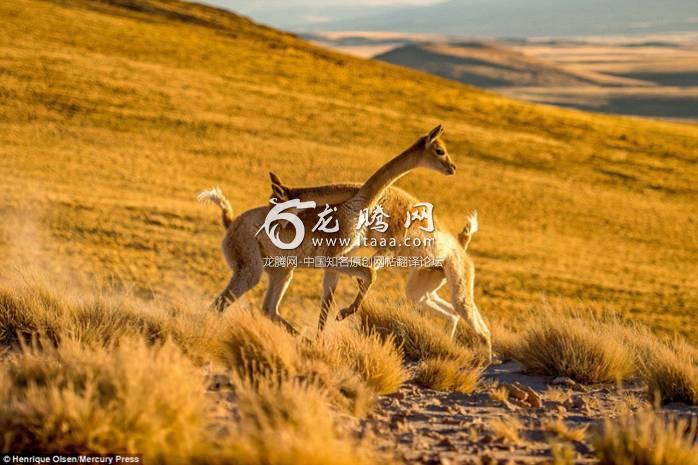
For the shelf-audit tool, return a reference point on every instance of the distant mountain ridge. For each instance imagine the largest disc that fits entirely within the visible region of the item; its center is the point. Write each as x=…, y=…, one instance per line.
x=482, y=64
x=648, y=79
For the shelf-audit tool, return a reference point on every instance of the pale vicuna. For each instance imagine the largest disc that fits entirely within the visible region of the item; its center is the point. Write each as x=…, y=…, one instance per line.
x=245, y=248
x=423, y=283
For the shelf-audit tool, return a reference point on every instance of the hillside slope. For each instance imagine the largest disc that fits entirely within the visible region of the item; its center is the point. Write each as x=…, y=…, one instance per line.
x=113, y=114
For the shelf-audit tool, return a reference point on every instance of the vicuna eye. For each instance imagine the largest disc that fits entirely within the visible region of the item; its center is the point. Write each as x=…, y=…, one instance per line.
x=440, y=152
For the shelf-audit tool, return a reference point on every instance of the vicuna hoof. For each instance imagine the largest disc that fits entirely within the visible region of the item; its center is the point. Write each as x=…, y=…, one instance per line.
x=219, y=305
x=345, y=312
x=290, y=328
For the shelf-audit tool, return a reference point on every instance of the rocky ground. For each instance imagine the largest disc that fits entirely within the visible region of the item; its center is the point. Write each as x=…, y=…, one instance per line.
x=513, y=418
x=509, y=420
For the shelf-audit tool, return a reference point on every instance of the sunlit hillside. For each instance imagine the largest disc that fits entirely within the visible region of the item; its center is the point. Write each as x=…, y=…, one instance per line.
x=115, y=113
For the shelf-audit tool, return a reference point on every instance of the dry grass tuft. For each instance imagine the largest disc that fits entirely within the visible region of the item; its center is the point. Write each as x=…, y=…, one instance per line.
x=499, y=393
x=584, y=349
x=647, y=438
x=23, y=314
x=447, y=374
x=417, y=336
x=69, y=391
x=556, y=394
x=344, y=387
x=506, y=429
x=129, y=398
x=377, y=360
x=290, y=422
x=561, y=430
x=101, y=320
x=671, y=372
x=563, y=454
x=443, y=364
x=256, y=345
x=351, y=367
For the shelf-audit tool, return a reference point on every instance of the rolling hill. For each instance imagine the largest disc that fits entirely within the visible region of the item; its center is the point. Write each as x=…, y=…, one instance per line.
x=115, y=113
x=635, y=78
x=487, y=64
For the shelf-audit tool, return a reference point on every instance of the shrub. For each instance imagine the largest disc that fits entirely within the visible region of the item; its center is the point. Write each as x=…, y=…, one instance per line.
x=25, y=314
x=377, y=360
x=561, y=430
x=446, y=374
x=132, y=398
x=647, y=438
x=416, y=334
x=290, y=422
x=671, y=372
x=257, y=348
x=506, y=429
x=255, y=344
x=587, y=350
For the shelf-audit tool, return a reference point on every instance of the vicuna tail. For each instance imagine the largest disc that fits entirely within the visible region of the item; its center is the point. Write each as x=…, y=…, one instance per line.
x=469, y=230
x=215, y=196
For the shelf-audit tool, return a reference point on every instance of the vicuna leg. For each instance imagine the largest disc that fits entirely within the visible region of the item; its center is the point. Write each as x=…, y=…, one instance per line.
x=242, y=281
x=329, y=286
x=460, y=274
x=421, y=288
x=279, y=279
x=247, y=265
x=366, y=277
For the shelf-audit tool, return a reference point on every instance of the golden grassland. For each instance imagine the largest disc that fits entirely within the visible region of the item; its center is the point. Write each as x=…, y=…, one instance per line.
x=114, y=114
x=77, y=378
x=98, y=374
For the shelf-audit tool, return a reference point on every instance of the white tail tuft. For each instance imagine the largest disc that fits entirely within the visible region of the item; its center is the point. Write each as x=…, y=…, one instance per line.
x=216, y=197
x=213, y=195
x=472, y=223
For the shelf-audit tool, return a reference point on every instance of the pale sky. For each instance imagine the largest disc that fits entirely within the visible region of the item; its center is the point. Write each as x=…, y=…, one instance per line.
x=317, y=3
x=484, y=18
x=290, y=13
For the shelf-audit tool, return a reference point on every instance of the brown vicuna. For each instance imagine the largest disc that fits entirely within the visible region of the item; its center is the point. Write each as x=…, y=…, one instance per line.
x=245, y=248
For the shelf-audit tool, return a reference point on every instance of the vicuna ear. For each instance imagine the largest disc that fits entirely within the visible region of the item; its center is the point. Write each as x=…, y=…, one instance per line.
x=279, y=193
x=274, y=179
x=435, y=133
x=277, y=188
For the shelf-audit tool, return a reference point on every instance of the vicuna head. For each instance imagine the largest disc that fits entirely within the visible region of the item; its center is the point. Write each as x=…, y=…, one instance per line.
x=432, y=152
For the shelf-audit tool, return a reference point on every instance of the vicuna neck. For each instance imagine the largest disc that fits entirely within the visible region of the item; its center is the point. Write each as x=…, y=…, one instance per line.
x=375, y=186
